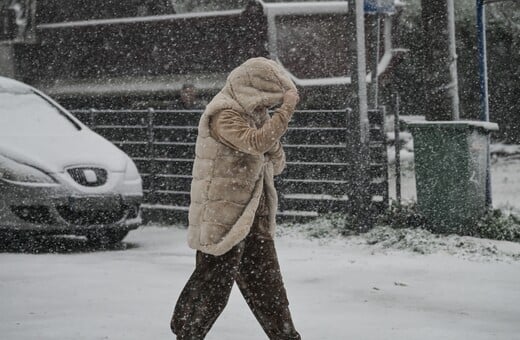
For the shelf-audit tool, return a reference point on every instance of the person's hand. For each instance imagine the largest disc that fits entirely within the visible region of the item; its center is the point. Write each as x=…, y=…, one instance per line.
x=291, y=98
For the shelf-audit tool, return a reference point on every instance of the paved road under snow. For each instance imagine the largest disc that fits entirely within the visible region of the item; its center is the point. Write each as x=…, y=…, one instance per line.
x=339, y=290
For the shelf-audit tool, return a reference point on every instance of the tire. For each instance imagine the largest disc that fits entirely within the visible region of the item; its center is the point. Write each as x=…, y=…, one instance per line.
x=107, y=237
x=6, y=238
x=18, y=240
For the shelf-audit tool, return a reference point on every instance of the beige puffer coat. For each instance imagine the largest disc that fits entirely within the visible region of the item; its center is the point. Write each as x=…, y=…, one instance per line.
x=230, y=175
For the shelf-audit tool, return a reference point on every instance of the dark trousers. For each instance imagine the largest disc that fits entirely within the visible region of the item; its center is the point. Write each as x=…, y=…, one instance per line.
x=253, y=265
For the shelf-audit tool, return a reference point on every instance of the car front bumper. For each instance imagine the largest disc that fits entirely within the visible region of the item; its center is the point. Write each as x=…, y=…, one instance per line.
x=50, y=209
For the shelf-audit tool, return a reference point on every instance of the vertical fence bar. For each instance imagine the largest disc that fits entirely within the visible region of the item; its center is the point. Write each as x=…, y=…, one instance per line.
x=384, y=152
x=375, y=61
x=152, y=171
x=397, y=143
x=349, y=178
x=92, y=118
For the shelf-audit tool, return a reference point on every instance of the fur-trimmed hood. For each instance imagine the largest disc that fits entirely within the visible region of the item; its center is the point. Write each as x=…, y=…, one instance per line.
x=257, y=82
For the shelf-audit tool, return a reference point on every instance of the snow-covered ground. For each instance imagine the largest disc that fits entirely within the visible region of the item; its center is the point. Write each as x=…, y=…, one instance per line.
x=338, y=288
x=387, y=284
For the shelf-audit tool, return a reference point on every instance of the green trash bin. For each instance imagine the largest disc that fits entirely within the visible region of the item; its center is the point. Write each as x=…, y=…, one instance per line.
x=450, y=171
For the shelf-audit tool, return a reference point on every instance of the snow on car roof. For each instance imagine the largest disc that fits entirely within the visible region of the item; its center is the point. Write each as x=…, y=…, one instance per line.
x=8, y=85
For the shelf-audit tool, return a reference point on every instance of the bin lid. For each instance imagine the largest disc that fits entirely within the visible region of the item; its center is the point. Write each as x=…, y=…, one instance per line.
x=454, y=124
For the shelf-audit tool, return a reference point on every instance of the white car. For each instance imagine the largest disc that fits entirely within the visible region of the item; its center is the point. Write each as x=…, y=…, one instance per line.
x=59, y=177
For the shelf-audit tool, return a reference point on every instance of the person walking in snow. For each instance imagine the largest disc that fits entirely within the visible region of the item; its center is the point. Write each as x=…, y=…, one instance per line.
x=234, y=202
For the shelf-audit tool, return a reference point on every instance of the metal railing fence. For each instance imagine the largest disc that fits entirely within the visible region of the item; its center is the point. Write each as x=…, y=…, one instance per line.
x=316, y=181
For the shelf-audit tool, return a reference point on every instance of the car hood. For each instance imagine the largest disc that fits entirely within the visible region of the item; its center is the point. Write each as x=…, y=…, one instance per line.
x=56, y=153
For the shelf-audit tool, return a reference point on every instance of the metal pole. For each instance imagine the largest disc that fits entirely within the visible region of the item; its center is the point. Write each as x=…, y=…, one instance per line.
x=482, y=61
x=483, y=81
x=359, y=136
x=454, y=86
x=361, y=72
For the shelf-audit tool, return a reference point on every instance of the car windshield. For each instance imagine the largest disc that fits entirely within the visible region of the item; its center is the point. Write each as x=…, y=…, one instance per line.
x=25, y=113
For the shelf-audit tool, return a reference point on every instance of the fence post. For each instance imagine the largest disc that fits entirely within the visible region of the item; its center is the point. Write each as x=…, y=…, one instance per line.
x=397, y=139
x=152, y=173
x=92, y=118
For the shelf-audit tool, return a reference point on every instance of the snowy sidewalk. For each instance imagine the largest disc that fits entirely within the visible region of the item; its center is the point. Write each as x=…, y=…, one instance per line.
x=339, y=289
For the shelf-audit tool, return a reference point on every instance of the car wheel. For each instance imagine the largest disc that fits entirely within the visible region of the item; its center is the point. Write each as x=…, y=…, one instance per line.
x=7, y=238
x=18, y=240
x=107, y=237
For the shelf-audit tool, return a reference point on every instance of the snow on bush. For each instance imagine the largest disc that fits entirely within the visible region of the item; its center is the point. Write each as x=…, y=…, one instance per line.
x=405, y=230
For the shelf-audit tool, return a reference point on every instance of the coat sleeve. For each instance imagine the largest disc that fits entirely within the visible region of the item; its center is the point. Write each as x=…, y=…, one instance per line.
x=277, y=157
x=234, y=131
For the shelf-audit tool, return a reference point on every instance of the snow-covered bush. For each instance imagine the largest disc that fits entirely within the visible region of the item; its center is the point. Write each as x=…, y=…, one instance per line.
x=494, y=225
x=498, y=226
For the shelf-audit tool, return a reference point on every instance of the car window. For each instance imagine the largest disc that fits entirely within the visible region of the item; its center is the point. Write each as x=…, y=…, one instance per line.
x=26, y=113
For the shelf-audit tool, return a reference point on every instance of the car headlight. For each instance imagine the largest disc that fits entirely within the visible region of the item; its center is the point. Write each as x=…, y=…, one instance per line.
x=13, y=171
x=131, y=172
